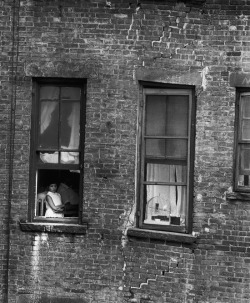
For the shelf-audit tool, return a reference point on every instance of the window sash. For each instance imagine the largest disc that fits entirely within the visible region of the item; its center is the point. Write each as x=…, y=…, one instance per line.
x=242, y=144
x=35, y=149
x=165, y=160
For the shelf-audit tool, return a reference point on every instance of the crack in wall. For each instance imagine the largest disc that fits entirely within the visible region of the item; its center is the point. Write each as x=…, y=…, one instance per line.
x=145, y=283
x=161, y=37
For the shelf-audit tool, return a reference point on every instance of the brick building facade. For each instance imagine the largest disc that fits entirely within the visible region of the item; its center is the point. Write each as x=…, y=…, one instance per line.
x=122, y=63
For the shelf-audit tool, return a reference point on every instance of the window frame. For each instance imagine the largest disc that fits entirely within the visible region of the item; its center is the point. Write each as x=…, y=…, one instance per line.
x=147, y=88
x=237, y=139
x=34, y=166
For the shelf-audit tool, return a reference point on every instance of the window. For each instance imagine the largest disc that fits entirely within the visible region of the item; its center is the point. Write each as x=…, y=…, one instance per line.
x=167, y=152
x=57, y=149
x=242, y=141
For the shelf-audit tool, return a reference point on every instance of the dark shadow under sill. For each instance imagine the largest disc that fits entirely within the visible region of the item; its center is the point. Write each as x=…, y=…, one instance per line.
x=232, y=196
x=161, y=235
x=50, y=227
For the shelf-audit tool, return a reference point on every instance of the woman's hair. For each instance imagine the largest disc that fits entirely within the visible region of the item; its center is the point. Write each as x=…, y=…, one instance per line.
x=48, y=185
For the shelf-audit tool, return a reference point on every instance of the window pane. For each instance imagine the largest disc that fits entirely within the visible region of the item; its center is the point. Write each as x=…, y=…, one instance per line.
x=166, y=173
x=245, y=106
x=246, y=129
x=155, y=148
x=165, y=205
x=70, y=93
x=167, y=115
x=49, y=157
x=155, y=115
x=174, y=148
x=244, y=180
x=177, y=116
x=49, y=93
x=70, y=125
x=69, y=158
x=67, y=186
x=48, y=124
x=244, y=160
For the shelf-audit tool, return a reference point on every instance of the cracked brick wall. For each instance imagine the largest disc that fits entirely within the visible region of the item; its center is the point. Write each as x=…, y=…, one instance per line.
x=114, y=44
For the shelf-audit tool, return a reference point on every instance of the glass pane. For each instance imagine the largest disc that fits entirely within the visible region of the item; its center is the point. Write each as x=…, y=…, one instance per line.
x=71, y=93
x=166, y=173
x=49, y=157
x=67, y=186
x=48, y=124
x=174, y=148
x=246, y=129
x=165, y=205
x=167, y=115
x=155, y=148
x=69, y=158
x=245, y=106
x=177, y=116
x=244, y=160
x=70, y=125
x=49, y=93
x=155, y=115
x=244, y=180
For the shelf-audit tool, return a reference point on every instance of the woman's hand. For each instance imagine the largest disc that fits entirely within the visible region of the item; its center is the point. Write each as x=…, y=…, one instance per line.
x=58, y=209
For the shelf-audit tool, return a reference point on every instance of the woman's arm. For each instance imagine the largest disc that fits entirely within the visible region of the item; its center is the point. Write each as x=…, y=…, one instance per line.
x=56, y=209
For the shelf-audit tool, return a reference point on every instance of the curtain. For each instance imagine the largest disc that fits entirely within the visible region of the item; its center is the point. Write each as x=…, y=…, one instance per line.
x=166, y=116
x=49, y=125
x=165, y=201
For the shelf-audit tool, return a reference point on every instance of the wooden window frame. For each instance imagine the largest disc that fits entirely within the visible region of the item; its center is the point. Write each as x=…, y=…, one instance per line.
x=34, y=166
x=238, y=140
x=154, y=89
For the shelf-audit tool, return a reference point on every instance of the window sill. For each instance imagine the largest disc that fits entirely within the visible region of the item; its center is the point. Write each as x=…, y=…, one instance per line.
x=232, y=196
x=160, y=235
x=53, y=227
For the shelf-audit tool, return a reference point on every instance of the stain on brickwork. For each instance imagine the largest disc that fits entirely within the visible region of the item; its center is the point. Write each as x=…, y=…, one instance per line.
x=114, y=45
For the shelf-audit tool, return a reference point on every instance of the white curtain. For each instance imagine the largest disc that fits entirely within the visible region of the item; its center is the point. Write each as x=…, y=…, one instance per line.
x=47, y=96
x=165, y=200
x=74, y=123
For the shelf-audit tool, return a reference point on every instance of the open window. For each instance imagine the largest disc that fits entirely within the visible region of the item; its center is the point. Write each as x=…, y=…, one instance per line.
x=166, y=165
x=242, y=141
x=57, y=138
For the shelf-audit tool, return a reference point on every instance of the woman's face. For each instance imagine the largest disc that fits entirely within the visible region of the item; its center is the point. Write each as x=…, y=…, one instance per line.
x=53, y=188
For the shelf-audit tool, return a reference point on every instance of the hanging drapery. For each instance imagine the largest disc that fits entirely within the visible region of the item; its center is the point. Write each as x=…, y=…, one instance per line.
x=67, y=118
x=164, y=201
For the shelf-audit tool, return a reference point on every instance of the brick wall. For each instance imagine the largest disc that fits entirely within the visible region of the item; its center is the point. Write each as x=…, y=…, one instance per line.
x=113, y=45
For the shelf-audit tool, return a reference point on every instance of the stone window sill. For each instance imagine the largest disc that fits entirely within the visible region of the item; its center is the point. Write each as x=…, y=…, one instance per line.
x=232, y=196
x=160, y=235
x=49, y=227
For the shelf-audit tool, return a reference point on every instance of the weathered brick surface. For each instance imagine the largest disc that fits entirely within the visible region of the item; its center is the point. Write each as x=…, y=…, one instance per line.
x=204, y=43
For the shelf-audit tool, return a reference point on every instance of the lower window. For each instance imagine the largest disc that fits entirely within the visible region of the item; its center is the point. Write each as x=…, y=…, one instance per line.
x=166, y=149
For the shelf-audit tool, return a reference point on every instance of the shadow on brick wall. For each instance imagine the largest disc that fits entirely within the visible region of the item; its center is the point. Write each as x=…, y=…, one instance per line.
x=29, y=298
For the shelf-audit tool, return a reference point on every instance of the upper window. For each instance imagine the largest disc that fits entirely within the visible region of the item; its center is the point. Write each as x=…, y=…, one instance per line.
x=167, y=149
x=57, y=149
x=242, y=142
